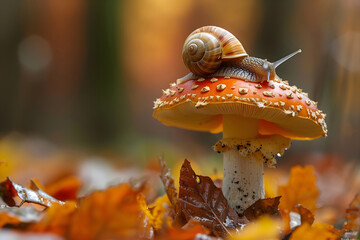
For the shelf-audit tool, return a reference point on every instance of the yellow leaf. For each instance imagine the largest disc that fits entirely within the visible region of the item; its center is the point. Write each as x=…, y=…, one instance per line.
x=263, y=228
x=144, y=207
x=317, y=231
x=300, y=189
x=160, y=212
x=146, y=220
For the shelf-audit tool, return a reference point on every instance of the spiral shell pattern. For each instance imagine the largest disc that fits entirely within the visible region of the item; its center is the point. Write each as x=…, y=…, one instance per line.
x=206, y=47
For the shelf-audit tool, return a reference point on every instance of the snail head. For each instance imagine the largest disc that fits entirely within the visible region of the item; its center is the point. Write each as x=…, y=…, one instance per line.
x=267, y=69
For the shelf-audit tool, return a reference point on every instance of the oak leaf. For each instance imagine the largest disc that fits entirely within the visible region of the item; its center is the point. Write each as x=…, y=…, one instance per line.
x=300, y=189
x=200, y=199
x=267, y=206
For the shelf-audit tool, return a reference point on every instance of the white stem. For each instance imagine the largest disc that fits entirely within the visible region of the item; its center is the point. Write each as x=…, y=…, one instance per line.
x=243, y=180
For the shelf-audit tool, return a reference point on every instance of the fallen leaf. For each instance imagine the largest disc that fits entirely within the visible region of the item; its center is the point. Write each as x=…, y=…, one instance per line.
x=300, y=189
x=188, y=232
x=267, y=206
x=10, y=190
x=7, y=218
x=299, y=215
x=286, y=219
x=263, y=228
x=169, y=183
x=64, y=189
x=146, y=226
x=25, y=215
x=200, y=199
x=352, y=222
x=109, y=214
x=162, y=211
x=306, y=215
x=317, y=231
x=56, y=219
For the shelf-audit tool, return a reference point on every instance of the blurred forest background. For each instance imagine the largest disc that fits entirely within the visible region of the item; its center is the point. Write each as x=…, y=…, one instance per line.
x=84, y=74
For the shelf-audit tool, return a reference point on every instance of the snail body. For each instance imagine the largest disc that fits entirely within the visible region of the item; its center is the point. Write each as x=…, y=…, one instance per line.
x=213, y=51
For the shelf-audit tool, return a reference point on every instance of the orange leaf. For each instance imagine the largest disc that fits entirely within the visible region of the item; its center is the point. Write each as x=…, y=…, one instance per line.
x=146, y=219
x=298, y=216
x=300, y=189
x=56, y=219
x=317, y=231
x=6, y=218
x=188, y=232
x=305, y=214
x=109, y=214
x=64, y=189
x=352, y=223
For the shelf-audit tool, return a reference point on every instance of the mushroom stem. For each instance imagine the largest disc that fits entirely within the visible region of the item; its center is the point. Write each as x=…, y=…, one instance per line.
x=236, y=126
x=243, y=179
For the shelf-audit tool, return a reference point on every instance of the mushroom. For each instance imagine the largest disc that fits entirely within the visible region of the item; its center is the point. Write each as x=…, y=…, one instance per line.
x=258, y=121
x=243, y=97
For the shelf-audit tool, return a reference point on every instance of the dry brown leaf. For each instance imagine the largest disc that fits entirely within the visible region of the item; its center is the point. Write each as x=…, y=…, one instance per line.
x=200, y=199
x=300, y=189
x=169, y=184
x=317, y=231
x=267, y=206
x=109, y=214
x=10, y=191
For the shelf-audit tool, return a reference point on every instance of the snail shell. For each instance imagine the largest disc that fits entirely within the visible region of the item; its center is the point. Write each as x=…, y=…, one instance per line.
x=206, y=47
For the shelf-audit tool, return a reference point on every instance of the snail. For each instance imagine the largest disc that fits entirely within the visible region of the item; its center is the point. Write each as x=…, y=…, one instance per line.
x=213, y=51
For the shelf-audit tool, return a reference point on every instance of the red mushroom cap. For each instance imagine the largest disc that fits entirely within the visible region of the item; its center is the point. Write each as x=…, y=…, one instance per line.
x=199, y=104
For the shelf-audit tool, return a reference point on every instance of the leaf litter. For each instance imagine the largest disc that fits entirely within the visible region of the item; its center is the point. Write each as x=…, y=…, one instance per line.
x=197, y=210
